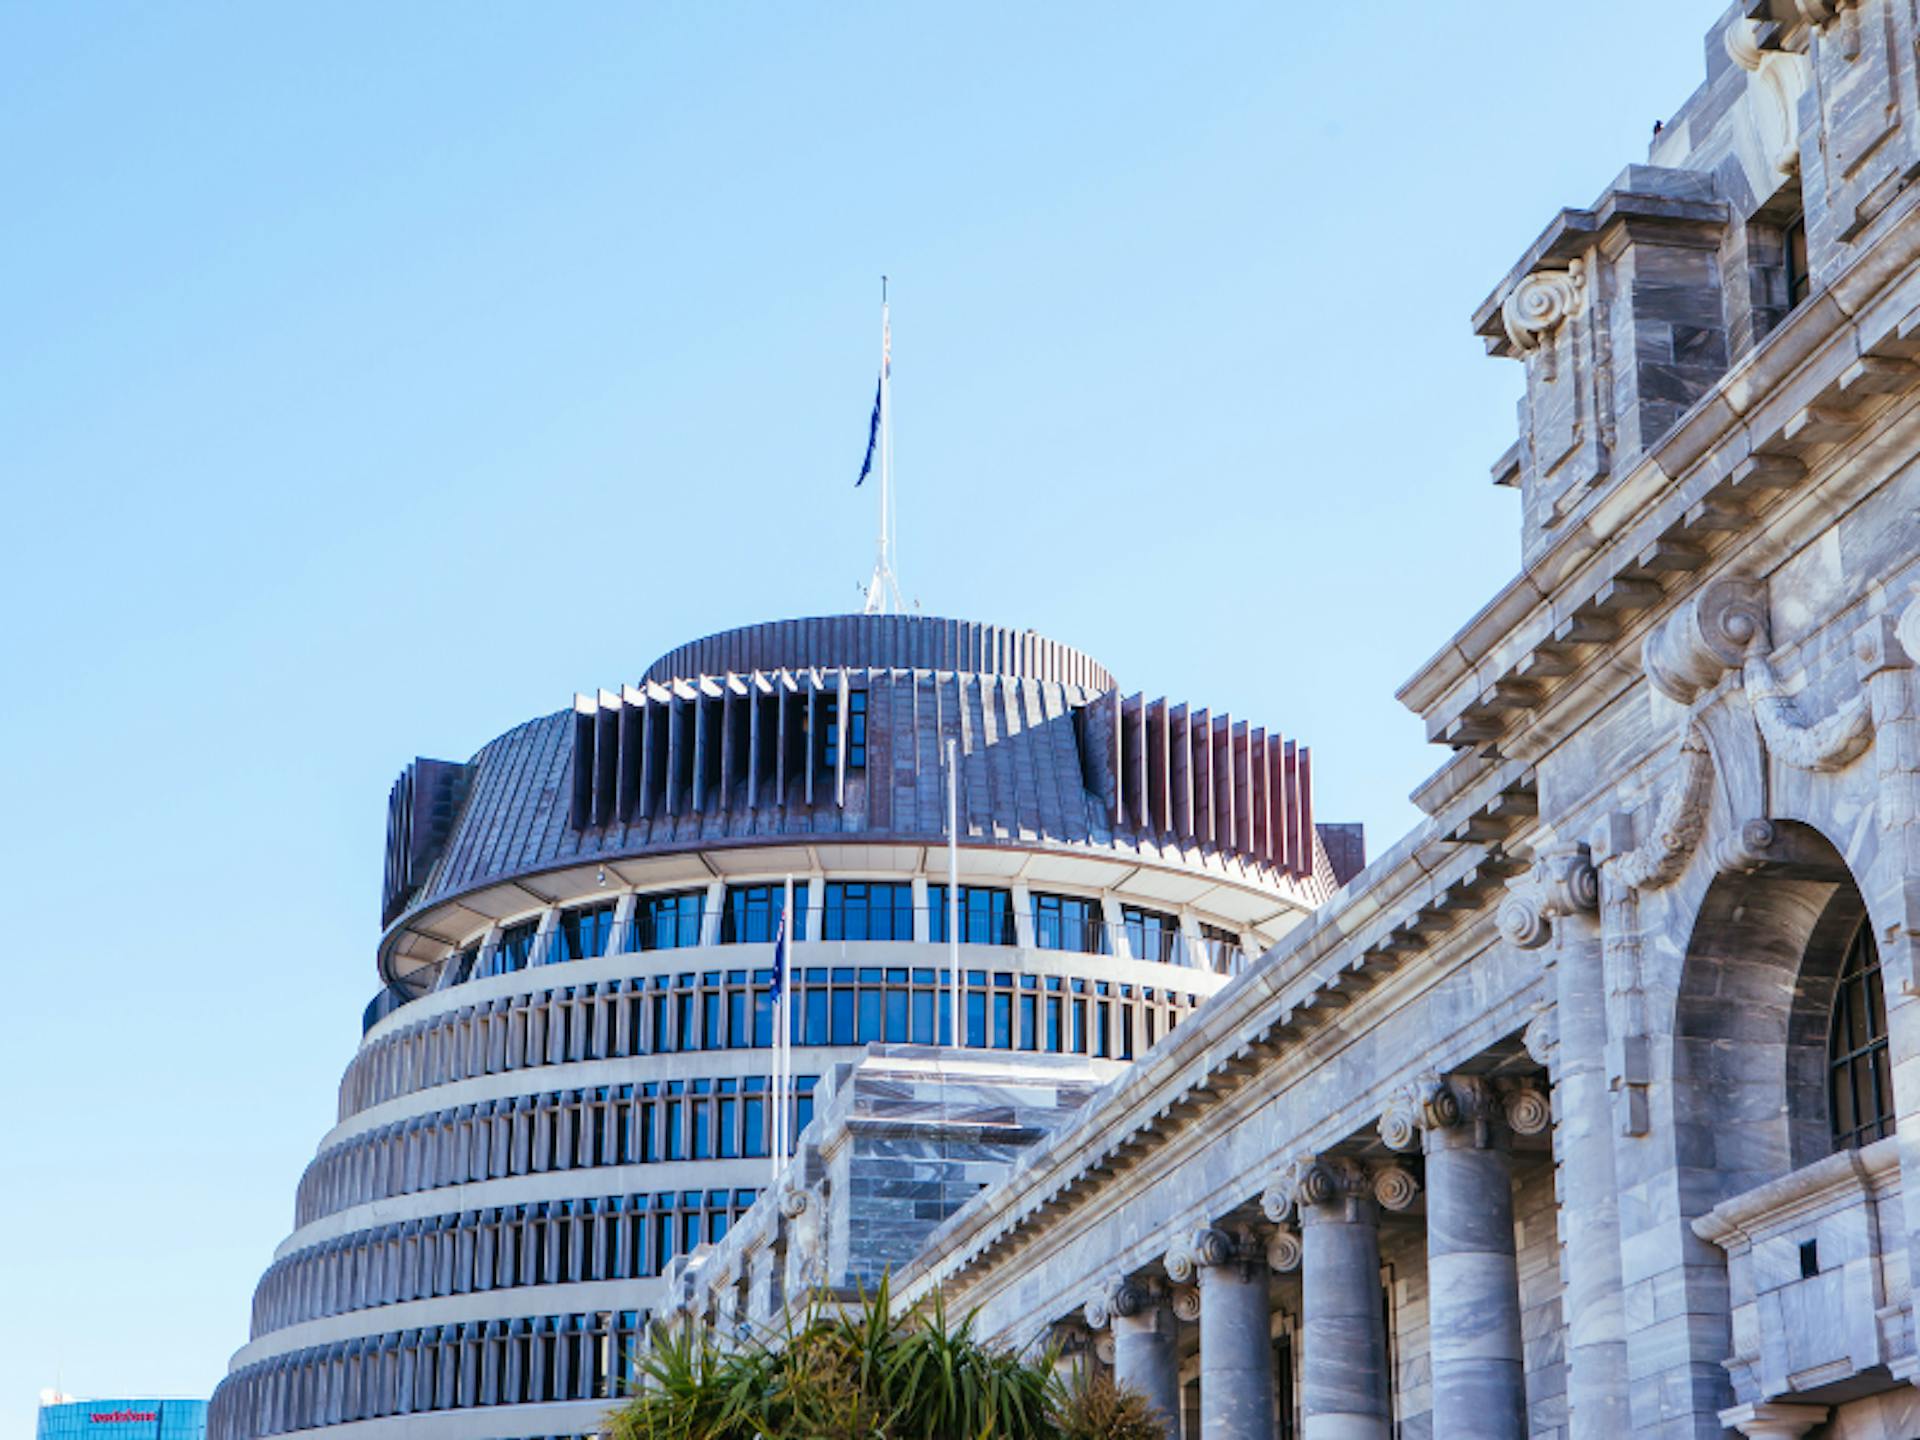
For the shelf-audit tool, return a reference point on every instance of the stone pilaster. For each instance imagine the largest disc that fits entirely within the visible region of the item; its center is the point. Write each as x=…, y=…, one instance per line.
x=1236, y=1333
x=1473, y=1277
x=1556, y=907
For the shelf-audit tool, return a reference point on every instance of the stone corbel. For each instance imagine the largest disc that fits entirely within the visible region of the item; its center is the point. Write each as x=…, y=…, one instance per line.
x=1561, y=882
x=1540, y=304
x=1711, y=633
x=1780, y=78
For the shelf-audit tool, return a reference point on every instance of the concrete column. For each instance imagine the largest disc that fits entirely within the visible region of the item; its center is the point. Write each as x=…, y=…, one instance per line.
x=922, y=921
x=1236, y=1332
x=1144, y=1354
x=1022, y=916
x=716, y=902
x=622, y=923
x=1343, y=1364
x=1473, y=1278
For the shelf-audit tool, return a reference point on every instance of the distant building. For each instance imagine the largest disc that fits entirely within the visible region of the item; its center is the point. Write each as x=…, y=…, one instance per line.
x=563, y=1083
x=64, y=1418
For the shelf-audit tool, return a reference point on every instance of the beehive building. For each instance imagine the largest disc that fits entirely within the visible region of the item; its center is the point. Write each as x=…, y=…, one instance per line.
x=564, y=1081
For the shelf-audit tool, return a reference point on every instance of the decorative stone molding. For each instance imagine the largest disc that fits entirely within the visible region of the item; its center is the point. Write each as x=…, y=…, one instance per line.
x=1527, y=1107
x=1542, y=1036
x=1434, y=1102
x=1770, y=1420
x=793, y=1204
x=1541, y=302
x=1829, y=744
x=1283, y=1250
x=1823, y=12
x=1116, y=1296
x=1209, y=1245
x=1714, y=631
x=1186, y=1303
x=1677, y=824
x=1561, y=882
x=1780, y=78
x=1394, y=1187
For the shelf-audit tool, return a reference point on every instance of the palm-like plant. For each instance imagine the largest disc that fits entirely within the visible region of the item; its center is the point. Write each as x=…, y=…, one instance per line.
x=856, y=1373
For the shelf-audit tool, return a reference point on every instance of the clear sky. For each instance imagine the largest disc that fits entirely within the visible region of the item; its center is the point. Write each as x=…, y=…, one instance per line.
x=374, y=377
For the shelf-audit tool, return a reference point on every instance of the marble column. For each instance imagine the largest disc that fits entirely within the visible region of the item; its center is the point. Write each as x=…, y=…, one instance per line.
x=1343, y=1362
x=1144, y=1356
x=1473, y=1277
x=1557, y=903
x=1236, y=1332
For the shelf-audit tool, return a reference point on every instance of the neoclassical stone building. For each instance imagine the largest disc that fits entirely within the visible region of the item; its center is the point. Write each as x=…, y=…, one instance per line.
x=1589, y=1109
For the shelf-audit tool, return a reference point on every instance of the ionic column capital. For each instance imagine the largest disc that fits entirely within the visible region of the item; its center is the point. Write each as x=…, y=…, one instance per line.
x=1118, y=1297
x=1560, y=883
x=1209, y=1247
x=1435, y=1103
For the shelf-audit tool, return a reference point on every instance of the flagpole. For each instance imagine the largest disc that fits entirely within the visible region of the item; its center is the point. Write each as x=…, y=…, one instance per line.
x=953, y=892
x=783, y=1043
x=883, y=591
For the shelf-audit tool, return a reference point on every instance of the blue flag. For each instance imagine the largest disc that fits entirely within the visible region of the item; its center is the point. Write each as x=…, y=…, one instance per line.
x=779, y=960
x=873, y=436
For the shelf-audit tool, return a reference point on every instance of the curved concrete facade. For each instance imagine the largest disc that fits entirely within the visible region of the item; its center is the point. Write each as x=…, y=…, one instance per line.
x=564, y=1081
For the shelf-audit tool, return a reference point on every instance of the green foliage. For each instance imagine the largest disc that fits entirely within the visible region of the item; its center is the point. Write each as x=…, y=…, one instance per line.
x=1092, y=1407
x=863, y=1373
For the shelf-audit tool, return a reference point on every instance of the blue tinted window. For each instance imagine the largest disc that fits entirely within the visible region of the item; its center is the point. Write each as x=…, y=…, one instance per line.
x=752, y=913
x=1068, y=922
x=667, y=922
x=867, y=910
x=986, y=915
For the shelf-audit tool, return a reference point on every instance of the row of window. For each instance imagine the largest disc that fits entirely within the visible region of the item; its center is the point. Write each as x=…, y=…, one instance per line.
x=734, y=1010
x=536, y=1360
x=850, y=910
x=553, y=1242
x=706, y=1119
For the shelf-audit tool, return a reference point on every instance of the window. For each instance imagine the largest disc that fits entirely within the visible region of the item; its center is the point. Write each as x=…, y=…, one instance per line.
x=863, y=910
x=856, y=731
x=582, y=933
x=1799, y=279
x=986, y=915
x=666, y=922
x=1859, y=1085
x=1068, y=922
x=1224, y=955
x=1151, y=934
x=752, y=913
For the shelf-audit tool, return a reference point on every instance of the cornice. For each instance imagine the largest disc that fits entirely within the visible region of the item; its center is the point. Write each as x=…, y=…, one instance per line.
x=1815, y=385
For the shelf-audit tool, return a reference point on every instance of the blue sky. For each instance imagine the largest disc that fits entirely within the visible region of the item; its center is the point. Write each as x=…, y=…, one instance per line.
x=372, y=378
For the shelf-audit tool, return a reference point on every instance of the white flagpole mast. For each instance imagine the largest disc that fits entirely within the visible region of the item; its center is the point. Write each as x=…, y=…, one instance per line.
x=783, y=1040
x=883, y=591
x=953, y=893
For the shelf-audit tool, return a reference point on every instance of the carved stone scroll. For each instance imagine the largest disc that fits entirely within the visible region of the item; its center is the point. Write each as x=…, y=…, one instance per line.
x=1677, y=824
x=1712, y=632
x=1828, y=744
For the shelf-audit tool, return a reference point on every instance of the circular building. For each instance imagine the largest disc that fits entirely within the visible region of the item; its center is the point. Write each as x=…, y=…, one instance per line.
x=567, y=1076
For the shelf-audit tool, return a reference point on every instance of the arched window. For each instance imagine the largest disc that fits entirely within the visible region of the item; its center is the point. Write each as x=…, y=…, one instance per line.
x=1859, y=1084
